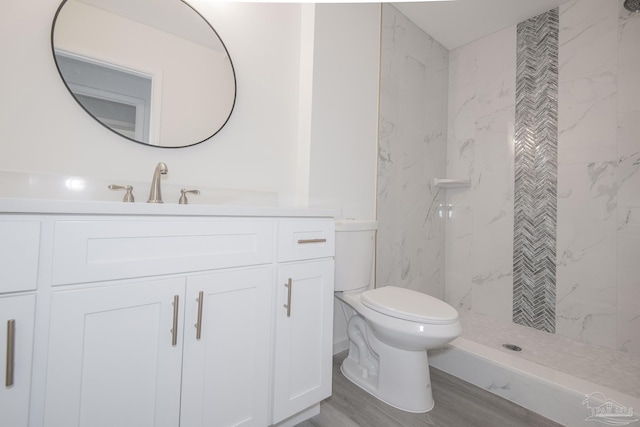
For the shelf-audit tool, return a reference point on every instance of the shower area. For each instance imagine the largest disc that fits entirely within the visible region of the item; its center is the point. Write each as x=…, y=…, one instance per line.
x=541, y=249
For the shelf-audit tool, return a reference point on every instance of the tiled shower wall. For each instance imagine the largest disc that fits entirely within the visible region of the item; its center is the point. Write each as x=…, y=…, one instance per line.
x=412, y=150
x=479, y=232
x=536, y=172
x=598, y=194
x=598, y=219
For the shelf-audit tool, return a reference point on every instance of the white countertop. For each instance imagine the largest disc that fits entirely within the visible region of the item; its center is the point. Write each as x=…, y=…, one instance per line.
x=72, y=207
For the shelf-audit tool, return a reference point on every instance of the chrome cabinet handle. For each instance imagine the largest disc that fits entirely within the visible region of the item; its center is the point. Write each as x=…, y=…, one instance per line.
x=288, y=304
x=174, y=330
x=11, y=352
x=199, y=321
x=303, y=241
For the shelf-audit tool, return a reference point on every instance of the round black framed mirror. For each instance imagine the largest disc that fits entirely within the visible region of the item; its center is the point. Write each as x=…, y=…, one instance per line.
x=152, y=71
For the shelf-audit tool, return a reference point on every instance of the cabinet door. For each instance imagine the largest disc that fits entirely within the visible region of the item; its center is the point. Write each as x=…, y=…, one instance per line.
x=19, y=254
x=304, y=331
x=113, y=357
x=16, y=321
x=226, y=370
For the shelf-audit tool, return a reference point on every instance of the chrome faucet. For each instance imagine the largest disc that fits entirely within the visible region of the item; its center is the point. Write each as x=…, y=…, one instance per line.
x=155, y=195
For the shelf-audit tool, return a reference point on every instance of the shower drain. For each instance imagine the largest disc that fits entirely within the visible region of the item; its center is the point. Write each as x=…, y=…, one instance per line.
x=512, y=347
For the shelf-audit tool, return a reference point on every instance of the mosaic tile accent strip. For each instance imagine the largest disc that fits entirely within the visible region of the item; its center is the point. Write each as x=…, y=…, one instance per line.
x=536, y=164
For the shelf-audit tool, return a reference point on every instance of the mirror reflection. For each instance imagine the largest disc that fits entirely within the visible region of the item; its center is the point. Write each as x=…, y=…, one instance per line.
x=153, y=71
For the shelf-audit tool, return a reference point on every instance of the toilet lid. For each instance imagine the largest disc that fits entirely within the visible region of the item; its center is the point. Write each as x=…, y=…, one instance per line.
x=409, y=305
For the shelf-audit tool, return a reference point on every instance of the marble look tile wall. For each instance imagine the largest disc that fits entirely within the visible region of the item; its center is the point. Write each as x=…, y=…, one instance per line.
x=587, y=126
x=479, y=231
x=599, y=183
x=628, y=183
x=598, y=224
x=412, y=150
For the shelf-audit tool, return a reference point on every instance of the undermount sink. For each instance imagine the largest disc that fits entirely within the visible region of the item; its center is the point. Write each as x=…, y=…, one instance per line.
x=50, y=194
x=20, y=185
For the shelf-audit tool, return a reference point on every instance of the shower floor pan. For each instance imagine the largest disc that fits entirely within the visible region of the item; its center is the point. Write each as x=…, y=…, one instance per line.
x=569, y=382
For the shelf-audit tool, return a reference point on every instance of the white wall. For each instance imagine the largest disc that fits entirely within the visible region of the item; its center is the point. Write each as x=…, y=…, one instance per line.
x=344, y=126
x=267, y=143
x=43, y=130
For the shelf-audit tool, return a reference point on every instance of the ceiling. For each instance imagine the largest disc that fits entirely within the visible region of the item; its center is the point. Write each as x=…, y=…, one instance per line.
x=455, y=23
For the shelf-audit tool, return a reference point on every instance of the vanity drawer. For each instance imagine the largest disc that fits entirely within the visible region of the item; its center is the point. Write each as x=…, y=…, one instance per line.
x=306, y=239
x=97, y=250
x=19, y=255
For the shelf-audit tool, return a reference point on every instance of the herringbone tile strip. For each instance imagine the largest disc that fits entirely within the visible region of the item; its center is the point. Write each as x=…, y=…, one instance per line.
x=535, y=198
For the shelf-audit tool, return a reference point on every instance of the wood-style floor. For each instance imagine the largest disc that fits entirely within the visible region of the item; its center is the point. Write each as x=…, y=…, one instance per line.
x=457, y=404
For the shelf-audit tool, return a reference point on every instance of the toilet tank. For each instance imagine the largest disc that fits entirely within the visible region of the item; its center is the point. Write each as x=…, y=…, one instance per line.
x=354, y=257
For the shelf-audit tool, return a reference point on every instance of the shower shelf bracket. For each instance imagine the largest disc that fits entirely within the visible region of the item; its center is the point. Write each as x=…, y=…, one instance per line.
x=451, y=182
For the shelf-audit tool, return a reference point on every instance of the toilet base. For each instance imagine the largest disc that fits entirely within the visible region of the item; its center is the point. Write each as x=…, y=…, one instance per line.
x=402, y=380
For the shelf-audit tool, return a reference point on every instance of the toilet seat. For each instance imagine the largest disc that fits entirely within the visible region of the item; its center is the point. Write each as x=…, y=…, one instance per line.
x=410, y=305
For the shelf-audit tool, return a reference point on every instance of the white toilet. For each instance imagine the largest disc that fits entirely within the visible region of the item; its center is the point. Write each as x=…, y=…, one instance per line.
x=390, y=329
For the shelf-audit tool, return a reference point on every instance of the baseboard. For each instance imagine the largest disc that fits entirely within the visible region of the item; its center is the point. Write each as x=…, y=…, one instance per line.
x=340, y=345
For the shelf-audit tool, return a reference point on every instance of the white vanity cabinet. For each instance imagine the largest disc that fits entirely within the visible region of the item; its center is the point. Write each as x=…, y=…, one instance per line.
x=190, y=350
x=304, y=316
x=166, y=320
x=17, y=322
x=111, y=359
x=114, y=347
x=227, y=343
x=19, y=258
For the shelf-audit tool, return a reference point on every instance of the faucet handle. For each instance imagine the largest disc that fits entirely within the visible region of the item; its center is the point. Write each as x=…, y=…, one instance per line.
x=128, y=196
x=183, y=196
